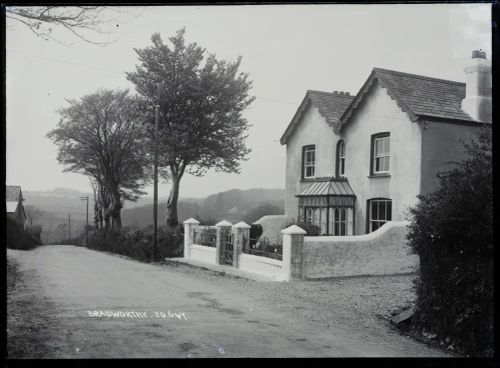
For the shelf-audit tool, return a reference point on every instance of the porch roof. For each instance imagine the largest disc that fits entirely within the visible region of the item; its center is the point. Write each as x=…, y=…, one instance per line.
x=328, y=187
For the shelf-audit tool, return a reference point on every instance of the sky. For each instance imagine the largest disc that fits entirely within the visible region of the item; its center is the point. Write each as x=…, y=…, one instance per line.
x=286, y=49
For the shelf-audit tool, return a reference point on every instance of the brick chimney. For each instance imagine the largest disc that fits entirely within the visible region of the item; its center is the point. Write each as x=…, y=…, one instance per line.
x=477, y=101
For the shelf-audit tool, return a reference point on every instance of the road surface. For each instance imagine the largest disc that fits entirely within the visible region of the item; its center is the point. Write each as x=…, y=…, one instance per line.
x=72, y=302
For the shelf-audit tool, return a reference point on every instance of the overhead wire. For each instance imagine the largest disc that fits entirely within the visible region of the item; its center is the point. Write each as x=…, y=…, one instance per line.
x=119, y=72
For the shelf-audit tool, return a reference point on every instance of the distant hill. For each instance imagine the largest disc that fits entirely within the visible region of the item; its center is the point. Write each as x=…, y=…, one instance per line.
x=232, y=205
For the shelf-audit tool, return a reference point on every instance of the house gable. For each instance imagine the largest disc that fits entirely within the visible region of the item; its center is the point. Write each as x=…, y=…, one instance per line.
x=329, y=105
x=378, y=113
x=418, y=96
x=312, y=130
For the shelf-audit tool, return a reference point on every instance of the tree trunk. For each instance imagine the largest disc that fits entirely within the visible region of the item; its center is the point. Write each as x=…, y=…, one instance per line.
x=101, y=218
x=106, y=201
x=96, y=205
x=96, y=215
x=172, y=216
x=117, y=218
x=107, y=219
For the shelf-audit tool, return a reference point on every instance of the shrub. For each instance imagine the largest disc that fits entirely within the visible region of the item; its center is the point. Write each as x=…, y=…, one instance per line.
x=451, y=231
x=309, y=228
x=18, y=238
x=36, y=233
x=255, y=233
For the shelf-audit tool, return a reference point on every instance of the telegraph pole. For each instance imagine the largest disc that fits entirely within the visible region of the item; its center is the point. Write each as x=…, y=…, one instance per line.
x=50, y=232
x=87, y=227
x=155, y=194
x=69, y=227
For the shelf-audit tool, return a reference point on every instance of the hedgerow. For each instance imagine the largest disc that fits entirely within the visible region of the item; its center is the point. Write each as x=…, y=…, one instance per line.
x=451, y=230
x=137, y=244
x=19, y=238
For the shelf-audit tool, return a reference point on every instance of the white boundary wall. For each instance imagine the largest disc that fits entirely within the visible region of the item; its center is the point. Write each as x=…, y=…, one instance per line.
x=262, y=265
x=202, y=253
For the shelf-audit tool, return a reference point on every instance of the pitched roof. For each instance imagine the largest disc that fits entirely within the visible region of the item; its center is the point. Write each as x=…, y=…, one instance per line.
x=330, y=105
x=417, y=95
x=12, y=193
x=328, y=186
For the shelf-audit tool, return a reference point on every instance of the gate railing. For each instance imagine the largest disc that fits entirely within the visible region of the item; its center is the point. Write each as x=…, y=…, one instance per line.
x=205, y=235
x=264, y=248
x=224, y=243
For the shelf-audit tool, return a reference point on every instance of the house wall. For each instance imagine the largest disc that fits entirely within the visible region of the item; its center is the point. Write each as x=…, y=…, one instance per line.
x=377, y=113
x=313, y=129
x=18, y=215
x=382, y=252
x=440, y=145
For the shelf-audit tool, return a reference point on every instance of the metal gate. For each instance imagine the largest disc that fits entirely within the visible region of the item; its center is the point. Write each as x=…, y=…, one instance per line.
x=226, y=254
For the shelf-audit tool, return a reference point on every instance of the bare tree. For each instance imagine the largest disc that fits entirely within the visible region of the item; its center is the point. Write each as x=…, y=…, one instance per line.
x=79, y=20
x=33, y=214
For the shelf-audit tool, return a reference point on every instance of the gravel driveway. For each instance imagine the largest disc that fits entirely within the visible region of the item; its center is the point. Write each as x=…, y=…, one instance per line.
x=61, y=302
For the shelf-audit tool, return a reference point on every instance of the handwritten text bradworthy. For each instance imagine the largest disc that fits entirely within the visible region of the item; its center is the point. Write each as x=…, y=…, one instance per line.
x=122, y=314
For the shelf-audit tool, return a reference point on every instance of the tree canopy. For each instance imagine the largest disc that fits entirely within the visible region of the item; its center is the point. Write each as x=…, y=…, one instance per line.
x=102, y=136
x=201, y=101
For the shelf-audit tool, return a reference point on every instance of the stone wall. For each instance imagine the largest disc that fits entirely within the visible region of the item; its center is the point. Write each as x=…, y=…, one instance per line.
x=382, y=252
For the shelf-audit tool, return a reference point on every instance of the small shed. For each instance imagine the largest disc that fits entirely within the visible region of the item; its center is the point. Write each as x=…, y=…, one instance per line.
x=14, y=204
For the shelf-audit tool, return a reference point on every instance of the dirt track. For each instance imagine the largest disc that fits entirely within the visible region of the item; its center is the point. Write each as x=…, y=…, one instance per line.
x=57, y=287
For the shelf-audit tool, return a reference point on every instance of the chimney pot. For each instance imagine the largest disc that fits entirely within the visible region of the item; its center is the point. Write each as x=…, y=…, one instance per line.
x=478, y=54
x=477, y=102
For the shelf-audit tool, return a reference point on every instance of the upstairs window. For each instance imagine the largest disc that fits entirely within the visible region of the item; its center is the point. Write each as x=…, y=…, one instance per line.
x=380, y=152
x=340, y=161
x=308, y=161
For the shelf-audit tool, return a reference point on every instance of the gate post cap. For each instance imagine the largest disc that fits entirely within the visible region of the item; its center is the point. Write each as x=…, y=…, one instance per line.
x=294, y=230
x=241, y=225
x=191, y=221
x=223, y=223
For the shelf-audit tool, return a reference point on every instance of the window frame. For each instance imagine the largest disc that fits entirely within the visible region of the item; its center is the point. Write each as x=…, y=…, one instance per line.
x=374, y=157
x=326, y=219
x=340, y=159
x=369, y=220
x=304, y=166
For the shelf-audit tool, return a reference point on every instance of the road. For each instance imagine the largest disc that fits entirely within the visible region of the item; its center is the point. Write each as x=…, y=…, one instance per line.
x=63, y=289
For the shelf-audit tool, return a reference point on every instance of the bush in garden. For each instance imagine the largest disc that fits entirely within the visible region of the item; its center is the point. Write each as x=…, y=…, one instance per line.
x=451, y=231
x=309, y=228
x=256, y=231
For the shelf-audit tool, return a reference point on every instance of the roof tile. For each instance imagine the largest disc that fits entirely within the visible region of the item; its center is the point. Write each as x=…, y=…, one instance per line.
x=424, y=95
x=12, y=193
